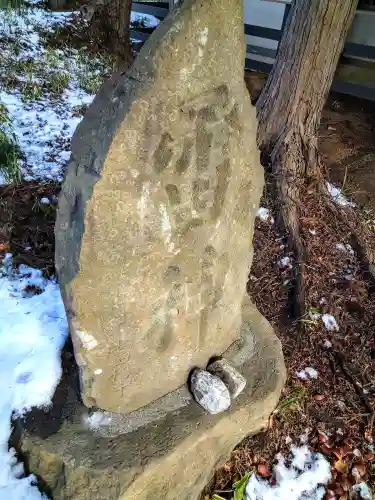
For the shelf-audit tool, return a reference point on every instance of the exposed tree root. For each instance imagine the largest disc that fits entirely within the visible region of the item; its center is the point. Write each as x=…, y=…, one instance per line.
x=295, y=166
x=287, y=197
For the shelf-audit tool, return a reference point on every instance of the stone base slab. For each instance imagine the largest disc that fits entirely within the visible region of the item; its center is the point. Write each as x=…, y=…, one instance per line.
x=172, y=457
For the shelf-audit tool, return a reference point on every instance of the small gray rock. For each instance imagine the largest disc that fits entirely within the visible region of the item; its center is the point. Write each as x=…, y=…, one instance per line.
x=209, y=392
x=231, y=377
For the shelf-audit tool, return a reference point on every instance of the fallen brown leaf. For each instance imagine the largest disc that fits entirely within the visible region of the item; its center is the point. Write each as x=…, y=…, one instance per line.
x=341, y=466
x=264, y=471
x=319, y=397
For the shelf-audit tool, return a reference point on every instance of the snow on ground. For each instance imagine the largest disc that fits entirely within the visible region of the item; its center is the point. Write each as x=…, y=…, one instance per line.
x=285, y=262
x=337, y=195
x=363, y=490
x=264, y=215
x=33, y=329
x=304, y=475
x=301, y=478
x=307, y=373
x=345, y=248
x=330, y=323
x=45, y=90
x=145, y=20
x=41, y=88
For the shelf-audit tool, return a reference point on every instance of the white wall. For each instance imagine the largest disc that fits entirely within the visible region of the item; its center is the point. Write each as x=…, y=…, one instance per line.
x=363, y=28
x=265, y=14
x=269, y=14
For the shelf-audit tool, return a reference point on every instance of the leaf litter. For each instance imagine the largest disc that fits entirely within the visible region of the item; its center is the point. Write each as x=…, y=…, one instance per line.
x=336, y=338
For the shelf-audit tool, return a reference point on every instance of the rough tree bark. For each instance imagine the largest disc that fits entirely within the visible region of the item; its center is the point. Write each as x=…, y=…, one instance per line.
x=118, y=22
x=113, y=18
x=290, y=106
x=57, y=4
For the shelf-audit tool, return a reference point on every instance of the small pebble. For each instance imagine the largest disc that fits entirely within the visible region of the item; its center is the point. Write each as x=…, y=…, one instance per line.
x=231, y=377
x=209, y=392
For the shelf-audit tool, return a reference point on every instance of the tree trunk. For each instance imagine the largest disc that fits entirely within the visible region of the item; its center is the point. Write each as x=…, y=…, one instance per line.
x=57, y=4
x=115, y=22
x=290, y=107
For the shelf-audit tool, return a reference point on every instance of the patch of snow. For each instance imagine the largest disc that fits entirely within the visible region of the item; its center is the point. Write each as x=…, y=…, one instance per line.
x=338, y=196
x=264, y=215
x=345, y=248
x=36, y=125
x=304, y=477
x=315, y=315
x=341, y=405
x=330, y=323
x=311, y=372
x=33, y=330
x=340, y=246
x=44, y=125
x=97, y=419
x=147, y=19
x=305, y=436
x=363, y=490
x=307, y=373
x=302, y=375
x=285, y=262
x=327, y=344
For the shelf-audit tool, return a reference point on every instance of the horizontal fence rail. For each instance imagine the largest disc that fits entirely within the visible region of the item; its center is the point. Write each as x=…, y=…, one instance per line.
x=354, y=50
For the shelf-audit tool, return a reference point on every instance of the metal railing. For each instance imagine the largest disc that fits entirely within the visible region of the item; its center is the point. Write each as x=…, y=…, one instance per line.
x=161, y=9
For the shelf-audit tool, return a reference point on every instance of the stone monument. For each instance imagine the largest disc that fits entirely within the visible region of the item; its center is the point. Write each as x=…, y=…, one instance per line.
x=153, y=250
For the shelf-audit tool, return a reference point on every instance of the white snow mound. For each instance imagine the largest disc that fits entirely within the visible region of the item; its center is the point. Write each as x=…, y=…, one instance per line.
x=33, y=329
x=301, y=478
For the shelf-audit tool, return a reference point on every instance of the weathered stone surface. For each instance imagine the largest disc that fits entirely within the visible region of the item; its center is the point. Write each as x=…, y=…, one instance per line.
x=231, y=377
x=209, y=392
x=171, y=457
x=155, y=218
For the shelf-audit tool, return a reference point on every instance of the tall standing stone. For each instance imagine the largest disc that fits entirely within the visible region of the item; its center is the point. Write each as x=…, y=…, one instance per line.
x=155, y=221
x=153, y=249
